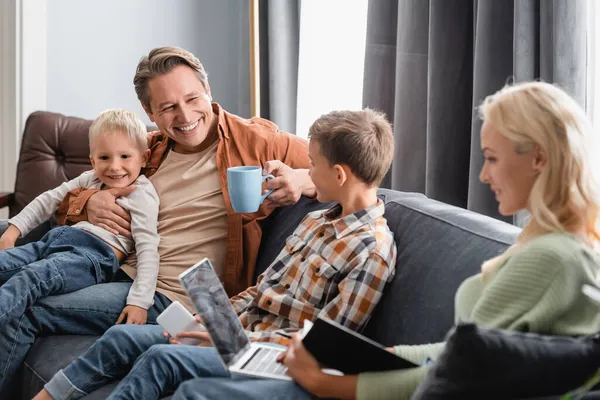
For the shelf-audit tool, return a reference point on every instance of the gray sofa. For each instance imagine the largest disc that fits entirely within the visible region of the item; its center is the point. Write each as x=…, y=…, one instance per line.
x=438, y=247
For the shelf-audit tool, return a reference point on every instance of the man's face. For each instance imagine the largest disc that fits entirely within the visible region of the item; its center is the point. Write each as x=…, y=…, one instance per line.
x=181, y=108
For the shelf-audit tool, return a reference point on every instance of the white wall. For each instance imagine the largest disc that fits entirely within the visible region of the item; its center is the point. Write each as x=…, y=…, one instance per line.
x=93, y=48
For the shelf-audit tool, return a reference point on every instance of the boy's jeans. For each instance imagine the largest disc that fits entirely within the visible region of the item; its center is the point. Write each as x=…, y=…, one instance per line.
x=139, y=353
x=65, y=260
x=89, y=311
x=239, y=387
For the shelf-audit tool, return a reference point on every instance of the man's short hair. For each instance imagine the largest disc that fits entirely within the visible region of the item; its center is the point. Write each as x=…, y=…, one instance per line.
x=362, y=140
x=119, y=121
x=160, y=61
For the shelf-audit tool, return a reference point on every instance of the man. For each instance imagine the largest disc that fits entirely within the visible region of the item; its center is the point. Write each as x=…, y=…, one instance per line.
x=197, y=142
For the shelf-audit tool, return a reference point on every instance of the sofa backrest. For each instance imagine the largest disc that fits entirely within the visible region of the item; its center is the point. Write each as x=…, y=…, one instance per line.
x=54, y=149
x=439, y=246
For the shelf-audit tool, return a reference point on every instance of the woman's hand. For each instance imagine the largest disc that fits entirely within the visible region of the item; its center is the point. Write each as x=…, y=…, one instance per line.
x=306, y=372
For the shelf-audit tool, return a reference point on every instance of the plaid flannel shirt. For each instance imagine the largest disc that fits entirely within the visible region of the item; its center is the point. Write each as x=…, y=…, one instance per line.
x=332, y=267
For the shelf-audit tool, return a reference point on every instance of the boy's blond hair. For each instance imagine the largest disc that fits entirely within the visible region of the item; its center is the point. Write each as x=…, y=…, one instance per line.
x=362, y=140
x=161, y=61
x=119, y=121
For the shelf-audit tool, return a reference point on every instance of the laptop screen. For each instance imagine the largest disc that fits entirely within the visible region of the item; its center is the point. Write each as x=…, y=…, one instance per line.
x=208, y=295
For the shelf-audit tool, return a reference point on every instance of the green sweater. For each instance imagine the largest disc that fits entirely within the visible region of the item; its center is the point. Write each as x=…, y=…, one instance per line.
x=536, y=289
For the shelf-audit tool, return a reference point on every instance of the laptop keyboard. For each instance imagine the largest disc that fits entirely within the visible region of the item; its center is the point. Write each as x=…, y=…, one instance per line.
x=265, y=361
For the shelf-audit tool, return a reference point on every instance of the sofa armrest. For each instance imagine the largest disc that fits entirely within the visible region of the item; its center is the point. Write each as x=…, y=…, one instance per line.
x=6, y=199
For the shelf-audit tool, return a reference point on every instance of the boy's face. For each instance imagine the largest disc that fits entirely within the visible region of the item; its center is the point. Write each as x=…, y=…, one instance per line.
x=323, y=175
x=117, y=159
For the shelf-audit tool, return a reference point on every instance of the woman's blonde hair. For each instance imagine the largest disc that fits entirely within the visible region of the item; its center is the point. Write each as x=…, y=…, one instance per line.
x=564, y=197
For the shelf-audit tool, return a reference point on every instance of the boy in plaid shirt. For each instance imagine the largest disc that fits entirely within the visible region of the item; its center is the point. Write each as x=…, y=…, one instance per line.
x=336, y=265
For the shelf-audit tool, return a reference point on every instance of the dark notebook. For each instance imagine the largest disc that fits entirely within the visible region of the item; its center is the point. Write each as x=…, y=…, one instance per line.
x=338, y=347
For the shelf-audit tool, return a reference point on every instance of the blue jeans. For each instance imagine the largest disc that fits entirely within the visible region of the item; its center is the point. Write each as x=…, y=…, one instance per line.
x=240, y=387
x=139, y=354
x=89, y=311
x=65, y=260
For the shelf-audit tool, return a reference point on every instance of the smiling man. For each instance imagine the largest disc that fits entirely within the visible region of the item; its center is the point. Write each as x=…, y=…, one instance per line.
x=197, y=142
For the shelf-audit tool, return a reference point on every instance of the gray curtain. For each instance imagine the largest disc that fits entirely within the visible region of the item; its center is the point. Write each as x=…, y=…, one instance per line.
x=430, y=63
x=279, y=47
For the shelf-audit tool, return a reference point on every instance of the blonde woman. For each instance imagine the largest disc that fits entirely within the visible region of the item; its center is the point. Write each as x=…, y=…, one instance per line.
x=535, y=141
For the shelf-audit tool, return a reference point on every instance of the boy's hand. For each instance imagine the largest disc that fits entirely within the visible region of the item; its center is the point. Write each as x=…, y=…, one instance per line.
x=6, y=243
x=9, y=237
x=199, y=335
x=133, y=315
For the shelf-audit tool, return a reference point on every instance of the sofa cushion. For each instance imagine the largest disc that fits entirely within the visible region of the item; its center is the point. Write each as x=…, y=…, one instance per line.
x=492, y=363
x=439, y=246
x=47, y=356
x=50, y=354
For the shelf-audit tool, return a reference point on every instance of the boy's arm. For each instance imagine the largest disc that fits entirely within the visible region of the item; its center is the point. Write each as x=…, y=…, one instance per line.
x=143, y=203
x=242, y=300
x=44, y=205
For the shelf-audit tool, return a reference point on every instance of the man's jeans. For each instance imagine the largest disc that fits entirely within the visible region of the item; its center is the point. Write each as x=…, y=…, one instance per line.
x=89, y=311
x=139, y=353
x=240, y=387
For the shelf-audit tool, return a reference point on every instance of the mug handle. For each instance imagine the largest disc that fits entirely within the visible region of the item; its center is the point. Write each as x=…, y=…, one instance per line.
x=264, y=196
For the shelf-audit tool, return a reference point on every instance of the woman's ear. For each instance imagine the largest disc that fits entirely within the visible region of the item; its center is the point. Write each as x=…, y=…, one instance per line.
x=539, y=159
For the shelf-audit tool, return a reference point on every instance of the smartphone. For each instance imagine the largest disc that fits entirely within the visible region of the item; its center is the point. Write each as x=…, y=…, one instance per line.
x=591, y=292
x=176, y=319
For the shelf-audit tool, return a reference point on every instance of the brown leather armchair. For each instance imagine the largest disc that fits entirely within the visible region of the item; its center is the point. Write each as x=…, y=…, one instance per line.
x=54, y=149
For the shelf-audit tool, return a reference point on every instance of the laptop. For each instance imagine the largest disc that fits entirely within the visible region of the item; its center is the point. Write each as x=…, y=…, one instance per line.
x=226, y=332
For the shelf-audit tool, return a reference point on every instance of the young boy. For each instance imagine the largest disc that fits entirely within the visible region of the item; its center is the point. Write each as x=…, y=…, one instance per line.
x=335, y=264
x=69, y=258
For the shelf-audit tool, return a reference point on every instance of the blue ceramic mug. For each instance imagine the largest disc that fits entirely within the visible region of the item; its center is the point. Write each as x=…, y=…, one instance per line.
x=245, y=188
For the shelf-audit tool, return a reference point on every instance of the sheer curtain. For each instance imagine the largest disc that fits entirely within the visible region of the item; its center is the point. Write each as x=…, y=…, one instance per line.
x=331, y=59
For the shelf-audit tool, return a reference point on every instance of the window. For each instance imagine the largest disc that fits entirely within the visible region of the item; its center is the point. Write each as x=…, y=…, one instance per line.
x=331, y=59
x=593, y=75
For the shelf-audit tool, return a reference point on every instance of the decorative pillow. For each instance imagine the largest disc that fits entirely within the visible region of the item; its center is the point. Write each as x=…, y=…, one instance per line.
x=481, y=363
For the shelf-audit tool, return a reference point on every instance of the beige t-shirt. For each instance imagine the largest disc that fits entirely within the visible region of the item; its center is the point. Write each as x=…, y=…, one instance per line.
x=192, y=219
